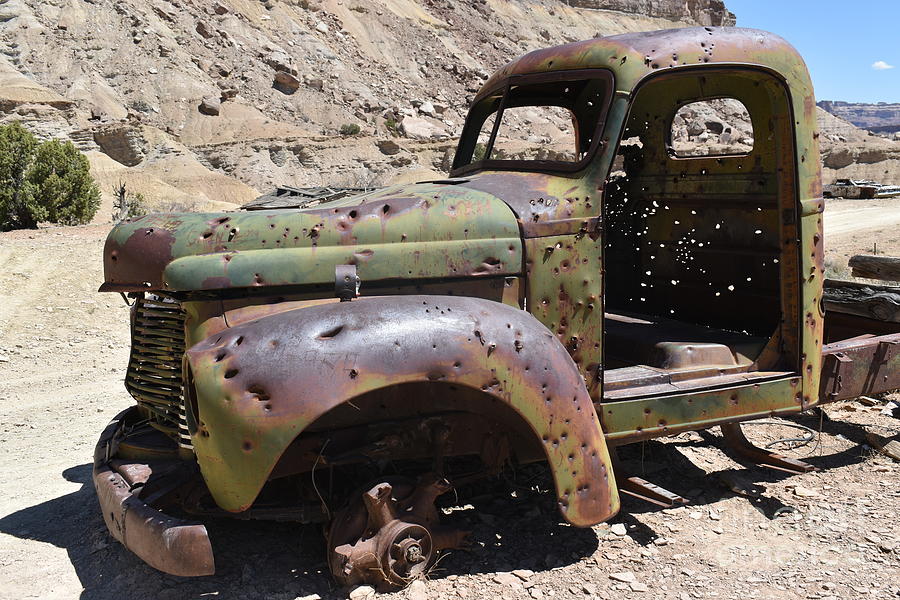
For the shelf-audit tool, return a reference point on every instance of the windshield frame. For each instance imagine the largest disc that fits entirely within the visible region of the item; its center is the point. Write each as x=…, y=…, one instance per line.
x=470, y=133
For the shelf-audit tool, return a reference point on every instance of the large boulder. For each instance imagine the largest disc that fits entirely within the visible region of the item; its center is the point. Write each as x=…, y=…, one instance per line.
x=285, y=83
x=210, y=106
x=421, y=129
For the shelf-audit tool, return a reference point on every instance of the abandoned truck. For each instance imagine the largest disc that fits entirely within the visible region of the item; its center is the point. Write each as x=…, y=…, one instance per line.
x=348, y=363
x=859, y=188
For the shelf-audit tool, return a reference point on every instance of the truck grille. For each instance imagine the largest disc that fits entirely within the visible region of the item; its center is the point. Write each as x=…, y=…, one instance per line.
x=154, y=369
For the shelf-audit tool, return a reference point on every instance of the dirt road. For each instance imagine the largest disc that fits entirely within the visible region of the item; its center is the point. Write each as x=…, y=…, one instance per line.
x=63, y=349
x=853, y=226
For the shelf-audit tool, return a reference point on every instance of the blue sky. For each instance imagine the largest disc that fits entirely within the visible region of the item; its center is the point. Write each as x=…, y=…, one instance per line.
x=852, y=48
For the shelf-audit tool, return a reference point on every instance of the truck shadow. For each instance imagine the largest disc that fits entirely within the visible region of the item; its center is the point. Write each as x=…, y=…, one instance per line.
x=663, y=463
x=513, y=528
x=282, y=560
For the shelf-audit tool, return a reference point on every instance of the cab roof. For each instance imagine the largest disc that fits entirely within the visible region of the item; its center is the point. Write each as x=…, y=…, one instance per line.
x=634, y=56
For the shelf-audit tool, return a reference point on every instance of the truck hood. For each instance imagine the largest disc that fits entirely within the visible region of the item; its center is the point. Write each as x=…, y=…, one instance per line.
x=418, y=231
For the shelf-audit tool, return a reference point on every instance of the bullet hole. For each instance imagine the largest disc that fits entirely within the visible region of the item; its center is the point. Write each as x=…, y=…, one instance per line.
x=207, y=235
x=352, y=214
x=333, y=332
x=239, y=340
x=354, y=373
x=230, y=373
x=259, y=393
x=247, y=446
x=221, y=356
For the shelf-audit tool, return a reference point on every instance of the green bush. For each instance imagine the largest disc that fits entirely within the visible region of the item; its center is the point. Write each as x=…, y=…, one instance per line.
x=478, y=153
x=47, y=181
x=350, y=129
x=393, y=127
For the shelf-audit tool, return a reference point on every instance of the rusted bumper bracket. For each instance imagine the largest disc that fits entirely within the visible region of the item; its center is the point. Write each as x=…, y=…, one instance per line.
x=860, y=367
x=165, y=543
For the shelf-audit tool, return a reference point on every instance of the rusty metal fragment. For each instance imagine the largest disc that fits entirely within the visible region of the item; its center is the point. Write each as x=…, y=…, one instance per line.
x=166, y=543
x=390, y=535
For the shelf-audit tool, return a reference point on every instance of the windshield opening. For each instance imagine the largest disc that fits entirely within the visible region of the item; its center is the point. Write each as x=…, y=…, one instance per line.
x=547, y=124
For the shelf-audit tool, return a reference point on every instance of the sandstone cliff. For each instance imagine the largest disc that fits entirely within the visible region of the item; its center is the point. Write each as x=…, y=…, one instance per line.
x=880, y=117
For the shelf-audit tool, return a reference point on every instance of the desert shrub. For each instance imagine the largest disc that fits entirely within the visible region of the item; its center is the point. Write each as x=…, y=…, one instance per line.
x=478, y=153
x=392, y=126
x=127, y=205
x=47, y=181
x=350, y=129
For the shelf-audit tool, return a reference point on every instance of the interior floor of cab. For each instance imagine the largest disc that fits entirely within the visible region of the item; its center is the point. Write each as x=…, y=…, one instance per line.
x=648, y=355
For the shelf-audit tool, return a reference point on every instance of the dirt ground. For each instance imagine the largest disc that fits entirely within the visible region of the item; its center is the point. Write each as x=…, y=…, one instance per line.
x=63, y=350
x=860, y=227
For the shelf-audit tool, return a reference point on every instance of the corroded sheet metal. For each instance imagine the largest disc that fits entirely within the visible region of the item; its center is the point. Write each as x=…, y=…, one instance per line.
x=166, y=543
x=632, y=56
x=565, y=292
x=633, y=420
x=634, y=60
x=860, y=367
x=429, y=229
x=260, y=384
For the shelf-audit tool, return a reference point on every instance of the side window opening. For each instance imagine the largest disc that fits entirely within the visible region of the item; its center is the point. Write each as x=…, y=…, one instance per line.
x=715, y=127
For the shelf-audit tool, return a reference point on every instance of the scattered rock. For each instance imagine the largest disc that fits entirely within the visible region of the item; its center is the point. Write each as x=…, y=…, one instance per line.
x=204, y=30
x=619, y=529
x=638, y=587
x=506, y=579
x=803, y=492
x=389, y=147
x=523, y=574
x=285, y=83
x=321, y=27
x=417, y=590
x=624, y=577
x=361, y=592
x=427, y=108
x=309, y=597
x=210, y=106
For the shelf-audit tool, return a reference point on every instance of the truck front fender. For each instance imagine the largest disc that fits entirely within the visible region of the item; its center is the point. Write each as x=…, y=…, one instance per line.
x=256, y=386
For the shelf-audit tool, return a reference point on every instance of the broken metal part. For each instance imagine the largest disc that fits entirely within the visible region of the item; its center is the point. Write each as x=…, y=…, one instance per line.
x=642, y=489
x=390, y=535
x=861, y=366
x=652, y=493
x=744, y=450
x=165, y=543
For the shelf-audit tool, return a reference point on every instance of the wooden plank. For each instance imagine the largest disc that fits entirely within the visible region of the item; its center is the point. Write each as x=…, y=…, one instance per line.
x=886, y=268
x=881, y=303
x=887, y=446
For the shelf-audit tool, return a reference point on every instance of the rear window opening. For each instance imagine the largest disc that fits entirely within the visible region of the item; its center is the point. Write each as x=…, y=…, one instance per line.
x=716, y=127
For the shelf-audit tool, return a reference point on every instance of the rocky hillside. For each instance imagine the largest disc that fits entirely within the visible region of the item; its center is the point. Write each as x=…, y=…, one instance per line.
x=205, y=104
x=882, y=117
x=198, y=103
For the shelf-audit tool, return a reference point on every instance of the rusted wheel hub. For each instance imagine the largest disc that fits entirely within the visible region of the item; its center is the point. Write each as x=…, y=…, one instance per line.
x=390, y=535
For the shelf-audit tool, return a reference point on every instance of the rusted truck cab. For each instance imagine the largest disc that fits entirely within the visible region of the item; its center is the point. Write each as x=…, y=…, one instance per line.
x=351, y=361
